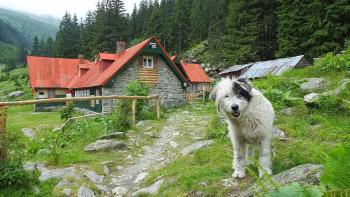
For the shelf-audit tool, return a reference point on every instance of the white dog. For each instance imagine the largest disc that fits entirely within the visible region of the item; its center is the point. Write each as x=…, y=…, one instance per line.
x=250, y=118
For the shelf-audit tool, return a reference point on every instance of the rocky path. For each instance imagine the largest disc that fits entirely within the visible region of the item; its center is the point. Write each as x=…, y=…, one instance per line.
x=182, y=130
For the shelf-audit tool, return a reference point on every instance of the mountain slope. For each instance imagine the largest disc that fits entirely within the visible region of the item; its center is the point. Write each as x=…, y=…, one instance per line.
x=29, y=25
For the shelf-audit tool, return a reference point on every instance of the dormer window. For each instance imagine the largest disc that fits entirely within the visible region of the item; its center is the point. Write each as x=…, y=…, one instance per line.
x=148, y=62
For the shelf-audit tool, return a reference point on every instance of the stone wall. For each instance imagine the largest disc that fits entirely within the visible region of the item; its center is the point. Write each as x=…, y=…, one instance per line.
x=168, y=87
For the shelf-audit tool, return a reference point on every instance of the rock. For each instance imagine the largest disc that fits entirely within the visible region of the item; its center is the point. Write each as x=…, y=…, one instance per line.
x=311, y=98
x=151, y=190
x=313, y=84
x=173, y=144
x=64, y=183
x=196, y=146
x=102, y=188
x=28, y=132
x=141, y=177
x=195, y=194
x=85, y=192
x=106, y=170
x=279, y=133
x=287, y=111
x=47, y=174
x=105, y=145
x=15, y=94
x=140, y=124
x=67, y=192
x=343, y=86
x=151, y=134
x=112, y=136
x=306, y=174
x=230, y=183
x=29, y=166
x=120, y=191
x=94, y=177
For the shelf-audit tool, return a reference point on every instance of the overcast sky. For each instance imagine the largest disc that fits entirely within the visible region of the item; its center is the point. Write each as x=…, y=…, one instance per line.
x=57, y=8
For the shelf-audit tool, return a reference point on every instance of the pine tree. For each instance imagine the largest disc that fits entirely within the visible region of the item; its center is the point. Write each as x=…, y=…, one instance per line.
x=41, y=46
x=49, y=48
x=182, y=24
x=35, y=49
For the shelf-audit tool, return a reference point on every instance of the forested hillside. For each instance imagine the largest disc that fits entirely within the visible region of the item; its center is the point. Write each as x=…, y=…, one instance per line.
x=235, y=31
x=17, y=31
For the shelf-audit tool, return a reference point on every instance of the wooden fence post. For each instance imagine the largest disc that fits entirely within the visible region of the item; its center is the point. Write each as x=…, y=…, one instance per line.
x=133, y=107
x=3, y=149
x=158, y=107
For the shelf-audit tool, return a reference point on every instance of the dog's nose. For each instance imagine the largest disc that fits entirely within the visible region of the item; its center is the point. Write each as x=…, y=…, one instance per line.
x=234, y=107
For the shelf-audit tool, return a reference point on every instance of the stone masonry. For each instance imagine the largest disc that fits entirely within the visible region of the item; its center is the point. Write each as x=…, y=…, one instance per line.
x=168, y=87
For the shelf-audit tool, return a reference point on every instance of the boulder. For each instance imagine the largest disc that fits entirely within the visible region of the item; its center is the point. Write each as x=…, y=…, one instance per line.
x=343, y=86
x=106, y=170
x=15, y=94
x=29, y=166
x=120, y=191
x=306, y=174
x=47, y=174
x=196, y=146
x=311, y=98
x=151, y=190
x=113, y=135
x=85, y=192
x=94, y=177
x=141, y=177
x=64, y=183
x=28, y=132
x=105, y=145
x=313, y=84
x=279, y=133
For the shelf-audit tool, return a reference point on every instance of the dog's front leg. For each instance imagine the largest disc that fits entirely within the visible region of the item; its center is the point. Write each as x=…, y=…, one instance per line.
x=265, y=157
x=239, y=158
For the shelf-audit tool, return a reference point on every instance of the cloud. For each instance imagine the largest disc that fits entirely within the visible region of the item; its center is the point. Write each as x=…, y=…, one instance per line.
x=57, y=8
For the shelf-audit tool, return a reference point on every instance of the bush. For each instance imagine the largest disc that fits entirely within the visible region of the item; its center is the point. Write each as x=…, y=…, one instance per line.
x=67, y=111
x=332, y=104
x=135, y=88
x=120, y=118
x=12, y=174
x=295, y=189
x=216, y=129
x=331, y=63
x=336, y=174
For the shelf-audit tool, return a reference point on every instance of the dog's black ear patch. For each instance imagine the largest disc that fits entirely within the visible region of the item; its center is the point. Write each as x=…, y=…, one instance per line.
x=242, y=90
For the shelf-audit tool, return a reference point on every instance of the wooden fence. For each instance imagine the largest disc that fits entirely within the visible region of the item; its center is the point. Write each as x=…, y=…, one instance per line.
x=5, y=105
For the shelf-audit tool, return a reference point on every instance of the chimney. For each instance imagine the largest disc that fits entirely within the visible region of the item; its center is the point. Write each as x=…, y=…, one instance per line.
x=120, y=46
x=81, y=59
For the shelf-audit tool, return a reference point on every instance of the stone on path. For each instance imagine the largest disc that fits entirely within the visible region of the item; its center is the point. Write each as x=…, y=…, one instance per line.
x=173, y=144
x=141, y=177
x=105, y=145
x=113, y=135
x=196, y=146
x=151, y=190
x=67, y=192
x=47, y=174
x=306, y=174
x=94, y=177
x=28, y=132
x=120, y=191
x=106, y=170
x=64, y=183
x=313, y=84
x=85, y=192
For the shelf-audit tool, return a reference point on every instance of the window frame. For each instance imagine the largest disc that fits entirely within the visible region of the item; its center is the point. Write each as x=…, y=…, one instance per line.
x=147, y=58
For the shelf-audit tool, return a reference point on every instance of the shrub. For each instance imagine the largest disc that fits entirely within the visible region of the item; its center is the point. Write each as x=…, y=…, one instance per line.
x=331, y=63
x=120, y=118
x=67, y=111
x=332, y=104
x=12, y=174
x=135, y=88
x=216, y=129
x=295, y=189
x=336, y=174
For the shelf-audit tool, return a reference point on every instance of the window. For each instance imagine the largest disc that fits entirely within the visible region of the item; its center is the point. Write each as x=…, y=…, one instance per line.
x=82, y=93
x=41, y=93
x=147, y=62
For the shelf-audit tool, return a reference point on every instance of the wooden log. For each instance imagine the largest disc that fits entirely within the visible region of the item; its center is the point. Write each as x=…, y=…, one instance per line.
x=54, y=100
x=133, y=116
x=3, y=148
x=158, y=107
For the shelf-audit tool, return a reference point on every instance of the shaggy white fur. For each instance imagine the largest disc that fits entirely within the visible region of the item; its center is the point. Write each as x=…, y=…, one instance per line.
x=250, y=118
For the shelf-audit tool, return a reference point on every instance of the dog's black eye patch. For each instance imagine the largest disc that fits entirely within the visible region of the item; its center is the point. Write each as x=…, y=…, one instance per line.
x=242, y=91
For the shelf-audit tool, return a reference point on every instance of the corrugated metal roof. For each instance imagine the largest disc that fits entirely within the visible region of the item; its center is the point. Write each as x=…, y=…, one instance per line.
x=235, y=68
x=195, y=73
x=274, y=67
x=46, y=72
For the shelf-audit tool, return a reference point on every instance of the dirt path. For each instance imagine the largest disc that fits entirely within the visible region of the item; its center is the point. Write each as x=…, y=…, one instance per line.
x=182, y=129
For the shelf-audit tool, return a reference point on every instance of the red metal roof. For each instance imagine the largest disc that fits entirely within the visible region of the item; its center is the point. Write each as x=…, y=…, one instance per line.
x=93, y=75
x=45, y=72
x=195, y=73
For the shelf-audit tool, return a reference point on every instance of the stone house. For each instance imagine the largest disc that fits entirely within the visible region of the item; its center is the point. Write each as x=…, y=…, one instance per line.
x=147, y=62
